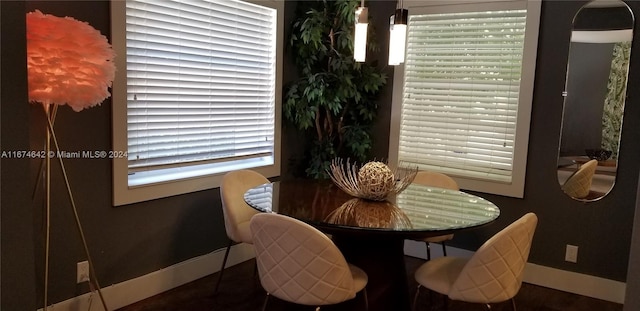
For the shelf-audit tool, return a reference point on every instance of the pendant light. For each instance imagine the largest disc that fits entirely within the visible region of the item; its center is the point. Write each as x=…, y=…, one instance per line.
x=397, y=35
x=360, y=40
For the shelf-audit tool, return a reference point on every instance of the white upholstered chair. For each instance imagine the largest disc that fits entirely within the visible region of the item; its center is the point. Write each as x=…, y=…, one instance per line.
x=435, y=179
x=298, y=263
x=237, y=213
x=493, y=274
x=578, y=185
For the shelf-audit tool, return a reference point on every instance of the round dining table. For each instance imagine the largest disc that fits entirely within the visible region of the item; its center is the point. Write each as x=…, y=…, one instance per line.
x=371, y=234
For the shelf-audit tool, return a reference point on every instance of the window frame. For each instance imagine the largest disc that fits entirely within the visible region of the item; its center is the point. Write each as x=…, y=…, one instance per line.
x=125, y=194
x=520, y=153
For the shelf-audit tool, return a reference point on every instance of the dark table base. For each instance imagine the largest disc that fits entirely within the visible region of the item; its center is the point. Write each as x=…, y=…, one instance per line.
x=382, y=258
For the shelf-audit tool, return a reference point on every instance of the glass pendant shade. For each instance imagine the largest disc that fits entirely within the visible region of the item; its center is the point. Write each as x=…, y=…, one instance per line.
x=397, y=36
x=360, y=40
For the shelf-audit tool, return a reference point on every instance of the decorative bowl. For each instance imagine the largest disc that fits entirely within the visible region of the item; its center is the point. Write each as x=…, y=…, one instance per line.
x=598, y=154
x=373, y=181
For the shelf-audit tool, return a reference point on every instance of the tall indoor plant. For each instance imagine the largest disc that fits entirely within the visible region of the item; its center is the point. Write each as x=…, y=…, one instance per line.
x=333, y=99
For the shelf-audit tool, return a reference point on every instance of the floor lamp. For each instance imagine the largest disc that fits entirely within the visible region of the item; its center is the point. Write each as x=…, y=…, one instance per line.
x=69, y=63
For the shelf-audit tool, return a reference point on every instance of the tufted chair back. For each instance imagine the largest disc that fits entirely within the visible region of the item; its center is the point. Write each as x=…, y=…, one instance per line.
x=237, y=213
x=435, y=179
x=494, y=273
x=440, y=180
x=578, y=185
x=298, y=263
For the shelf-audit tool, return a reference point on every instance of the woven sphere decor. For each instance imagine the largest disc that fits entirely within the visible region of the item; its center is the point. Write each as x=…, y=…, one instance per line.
x=376, y=178
x=373, y=181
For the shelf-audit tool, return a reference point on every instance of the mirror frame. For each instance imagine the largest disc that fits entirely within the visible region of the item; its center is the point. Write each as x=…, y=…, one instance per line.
x=589, y=28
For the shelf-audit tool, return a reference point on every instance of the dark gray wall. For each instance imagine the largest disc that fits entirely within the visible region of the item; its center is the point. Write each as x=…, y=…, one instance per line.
x=601, y=229
x=632, y=300
x=125, y=242
x=17, y=288
x=130, y=241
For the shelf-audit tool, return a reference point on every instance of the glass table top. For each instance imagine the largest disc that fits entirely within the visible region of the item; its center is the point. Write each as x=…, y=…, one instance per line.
x=418, y=209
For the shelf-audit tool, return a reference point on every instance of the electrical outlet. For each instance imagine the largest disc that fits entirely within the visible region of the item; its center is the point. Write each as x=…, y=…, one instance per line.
x=571, y=254
x=83, y=272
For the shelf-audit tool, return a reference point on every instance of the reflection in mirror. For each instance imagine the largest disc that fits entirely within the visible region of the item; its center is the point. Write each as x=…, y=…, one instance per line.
x=595, y=95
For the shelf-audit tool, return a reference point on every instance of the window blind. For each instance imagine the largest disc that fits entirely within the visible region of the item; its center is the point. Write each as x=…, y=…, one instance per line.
x=461, y=89
x=201, y=82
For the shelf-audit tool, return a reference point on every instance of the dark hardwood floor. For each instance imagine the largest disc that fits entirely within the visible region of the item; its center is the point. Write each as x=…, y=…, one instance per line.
x=240, y=291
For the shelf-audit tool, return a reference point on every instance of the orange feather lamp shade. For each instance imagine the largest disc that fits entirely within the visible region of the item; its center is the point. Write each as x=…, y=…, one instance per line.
x=69, y=62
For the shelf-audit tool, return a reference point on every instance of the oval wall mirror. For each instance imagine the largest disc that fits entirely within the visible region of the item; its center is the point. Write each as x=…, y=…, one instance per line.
x=595, y=94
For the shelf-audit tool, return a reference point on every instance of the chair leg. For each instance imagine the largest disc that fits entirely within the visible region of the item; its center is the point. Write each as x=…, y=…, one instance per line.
x=366, y=299
x=428, y=251
x=488, y=307
x=264, y=305
x=513, y=304
x=224, y=262
x=445, y=299
x=430, y=293
x=415, y=297
x=444, y=248
x=255, y=269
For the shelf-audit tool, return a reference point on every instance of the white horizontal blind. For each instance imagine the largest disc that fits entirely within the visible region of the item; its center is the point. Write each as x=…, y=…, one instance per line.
x=200, y=82
x=461, y=89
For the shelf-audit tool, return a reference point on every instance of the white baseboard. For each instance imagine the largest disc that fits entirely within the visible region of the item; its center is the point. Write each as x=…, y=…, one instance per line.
x=567, y=281
x=131, y=291
x=122, y=294
x=577, y=283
